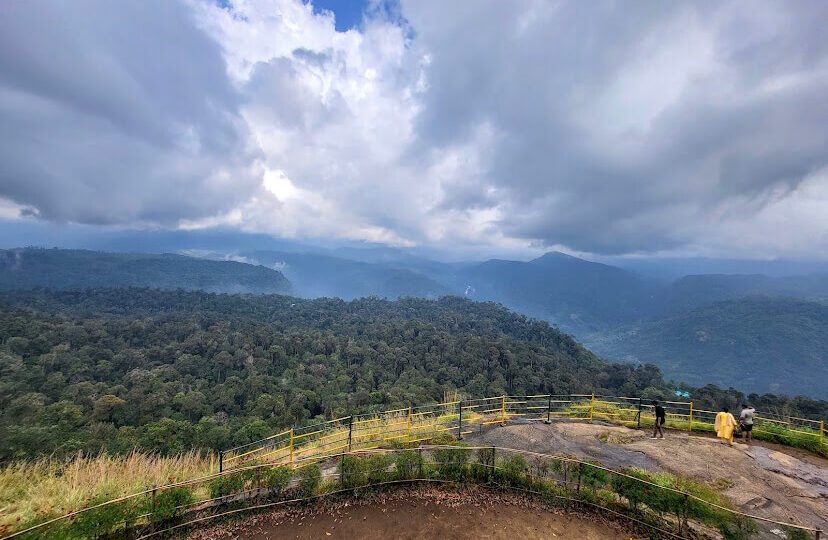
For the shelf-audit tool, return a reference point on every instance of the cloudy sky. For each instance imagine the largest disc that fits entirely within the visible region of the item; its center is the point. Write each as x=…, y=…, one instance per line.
x=595, y=127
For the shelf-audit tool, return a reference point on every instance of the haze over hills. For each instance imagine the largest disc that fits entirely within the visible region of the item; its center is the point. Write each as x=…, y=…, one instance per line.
x=317, y=275
x=575, y=294
x=27, y=268
x=694, y=291
x=620, y=314
x=168, y=371
x=765, y=344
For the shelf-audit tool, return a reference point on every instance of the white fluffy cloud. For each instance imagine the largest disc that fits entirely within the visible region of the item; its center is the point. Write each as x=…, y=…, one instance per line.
x=595, y=126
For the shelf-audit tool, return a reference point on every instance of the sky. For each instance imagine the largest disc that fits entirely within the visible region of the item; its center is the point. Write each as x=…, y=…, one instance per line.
x=605, y=128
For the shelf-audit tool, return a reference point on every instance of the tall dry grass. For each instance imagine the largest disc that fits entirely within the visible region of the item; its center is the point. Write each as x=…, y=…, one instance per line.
x=46, y=487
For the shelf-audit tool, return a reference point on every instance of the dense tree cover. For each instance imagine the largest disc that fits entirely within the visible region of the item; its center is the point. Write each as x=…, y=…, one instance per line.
x=617, y=313
x=172, y=370
x=761, y=344
x=25, y=268
x=696, y=291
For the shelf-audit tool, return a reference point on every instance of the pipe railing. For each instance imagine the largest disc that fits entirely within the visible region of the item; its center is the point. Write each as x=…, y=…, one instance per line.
x=461, y=417
x=554, y=477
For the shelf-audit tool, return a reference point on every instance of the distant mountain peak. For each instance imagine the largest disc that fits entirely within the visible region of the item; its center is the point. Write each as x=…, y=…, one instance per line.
x=557, y=255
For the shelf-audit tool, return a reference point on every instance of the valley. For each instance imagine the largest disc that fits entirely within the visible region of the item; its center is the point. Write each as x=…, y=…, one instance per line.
x=762, y=334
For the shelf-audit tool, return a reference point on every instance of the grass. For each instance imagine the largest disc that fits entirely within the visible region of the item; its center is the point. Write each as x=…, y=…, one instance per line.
x=35, y=490
x=765, y=429
x=395, y=428
x=509, y=469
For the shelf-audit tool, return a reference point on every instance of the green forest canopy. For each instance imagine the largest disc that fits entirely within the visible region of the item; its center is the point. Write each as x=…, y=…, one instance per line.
x=169, y=371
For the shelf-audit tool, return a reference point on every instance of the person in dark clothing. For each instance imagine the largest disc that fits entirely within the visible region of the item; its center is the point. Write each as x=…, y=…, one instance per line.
x=660, y=418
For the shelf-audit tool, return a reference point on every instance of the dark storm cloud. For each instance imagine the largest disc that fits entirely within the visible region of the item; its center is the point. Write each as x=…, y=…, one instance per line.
x=625, y=126
x=600, y=126
x=117, y=112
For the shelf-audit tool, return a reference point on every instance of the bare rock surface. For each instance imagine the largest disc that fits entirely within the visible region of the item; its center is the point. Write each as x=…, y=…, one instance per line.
x=771, y=481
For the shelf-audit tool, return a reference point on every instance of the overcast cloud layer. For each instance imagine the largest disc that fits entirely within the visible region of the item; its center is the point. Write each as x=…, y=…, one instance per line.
x=598, y=127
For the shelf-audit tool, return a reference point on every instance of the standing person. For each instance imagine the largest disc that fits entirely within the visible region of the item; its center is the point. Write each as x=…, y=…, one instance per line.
x=725, y=424
x=746, y=421
x=660, y=418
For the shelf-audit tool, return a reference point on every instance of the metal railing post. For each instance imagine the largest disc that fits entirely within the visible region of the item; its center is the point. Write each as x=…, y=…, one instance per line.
x=291, y=448
x=821, y=431
x=639, y=413
x=221, y=461
x=549, y=410
x=502, y=410
x=342, y=470
x=591, y=406
x=350, y=431
x=408, y=439
x=580, y=472
x=460, y=420
x=690, y=420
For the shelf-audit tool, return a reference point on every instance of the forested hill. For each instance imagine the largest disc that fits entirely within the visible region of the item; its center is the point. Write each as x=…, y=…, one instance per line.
x=575, y=293
x=27, y=268
x=762, y=343
x=172, y=370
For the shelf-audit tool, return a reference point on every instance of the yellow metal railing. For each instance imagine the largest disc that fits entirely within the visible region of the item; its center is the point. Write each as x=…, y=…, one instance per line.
x=564, y=475
x=411, y=425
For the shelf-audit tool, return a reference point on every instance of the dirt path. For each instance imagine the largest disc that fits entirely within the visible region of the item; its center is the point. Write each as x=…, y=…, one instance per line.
x=424, y=513
x=765, y=480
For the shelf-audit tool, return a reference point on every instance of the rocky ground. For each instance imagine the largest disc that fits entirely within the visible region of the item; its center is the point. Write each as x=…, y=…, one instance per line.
x=771, y=481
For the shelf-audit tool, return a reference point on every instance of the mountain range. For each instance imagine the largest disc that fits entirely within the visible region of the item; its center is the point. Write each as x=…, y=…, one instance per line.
x=28, y=268
x=752, y=331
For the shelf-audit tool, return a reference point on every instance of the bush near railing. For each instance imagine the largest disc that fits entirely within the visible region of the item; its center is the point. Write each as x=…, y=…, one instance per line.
x=662, y=503
x=462, y=417
x=414, y=425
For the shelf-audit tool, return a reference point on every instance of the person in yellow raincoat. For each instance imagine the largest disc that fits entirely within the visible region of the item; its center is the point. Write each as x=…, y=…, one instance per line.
x=725, y=424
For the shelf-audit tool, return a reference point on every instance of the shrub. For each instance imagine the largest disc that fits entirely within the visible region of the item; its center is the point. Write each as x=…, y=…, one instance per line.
x=352, y=472
x=638, y=493
x=450, y=463
x=443, y=438
x=376, y=468
x=59, y=530
x=796, y=534
x=409, y=465
x=593, y=477
x=169, y=504
x=276, y=479
x=512, y=471
x=483, y=468
x=737, y=529
x=227, y=484
x=104, y=520
x=310, y=477
x=630, y=488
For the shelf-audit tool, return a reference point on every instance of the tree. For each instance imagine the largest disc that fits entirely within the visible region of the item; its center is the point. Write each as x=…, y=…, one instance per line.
x=106, y=407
